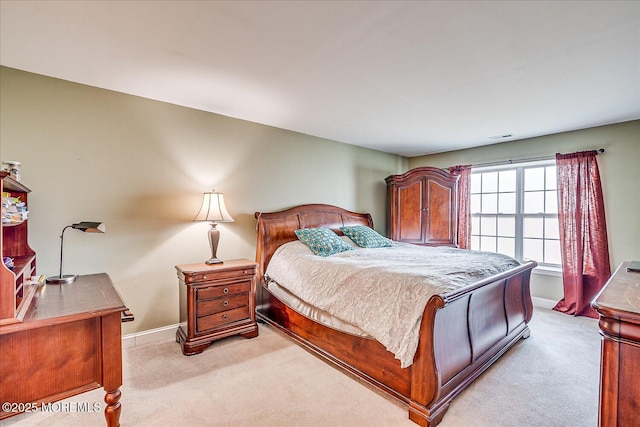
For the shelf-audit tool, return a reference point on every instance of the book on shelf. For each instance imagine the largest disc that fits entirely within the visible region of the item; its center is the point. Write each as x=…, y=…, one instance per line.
x=14, y=211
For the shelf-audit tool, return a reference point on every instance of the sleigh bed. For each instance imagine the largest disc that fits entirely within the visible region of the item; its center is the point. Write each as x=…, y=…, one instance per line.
x=461, y=332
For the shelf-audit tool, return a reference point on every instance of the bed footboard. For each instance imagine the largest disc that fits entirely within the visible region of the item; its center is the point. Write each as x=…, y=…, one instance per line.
x=462, y=334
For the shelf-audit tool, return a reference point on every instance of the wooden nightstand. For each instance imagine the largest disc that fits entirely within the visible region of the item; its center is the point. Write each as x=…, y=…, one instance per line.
x=216, y=301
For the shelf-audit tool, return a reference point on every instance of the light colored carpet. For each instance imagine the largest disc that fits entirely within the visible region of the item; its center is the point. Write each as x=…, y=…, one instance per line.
x=550, y=379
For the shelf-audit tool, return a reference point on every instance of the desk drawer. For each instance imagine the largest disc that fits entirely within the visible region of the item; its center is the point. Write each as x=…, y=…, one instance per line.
x=222, y=290
x=216, y=305
x=223, y=318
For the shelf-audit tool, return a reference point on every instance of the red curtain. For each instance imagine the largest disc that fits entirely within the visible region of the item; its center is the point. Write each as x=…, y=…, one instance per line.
x=464, y=204
x=583, y=232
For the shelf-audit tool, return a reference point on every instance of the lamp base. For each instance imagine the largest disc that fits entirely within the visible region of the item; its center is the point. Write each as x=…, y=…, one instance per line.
x=214, y=238
x=60, y=280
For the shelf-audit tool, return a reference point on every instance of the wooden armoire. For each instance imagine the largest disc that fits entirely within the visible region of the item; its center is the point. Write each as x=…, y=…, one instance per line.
x=422, y=207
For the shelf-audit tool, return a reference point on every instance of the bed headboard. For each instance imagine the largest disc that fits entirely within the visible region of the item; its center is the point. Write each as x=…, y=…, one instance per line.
x=278, y=228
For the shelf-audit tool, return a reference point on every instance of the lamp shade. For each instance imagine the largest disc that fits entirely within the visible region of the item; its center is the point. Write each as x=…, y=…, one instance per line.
x=213, y=208
x=90, y=227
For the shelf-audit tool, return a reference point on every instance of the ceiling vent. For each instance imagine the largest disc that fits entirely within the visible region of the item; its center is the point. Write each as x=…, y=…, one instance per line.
x=501, y=136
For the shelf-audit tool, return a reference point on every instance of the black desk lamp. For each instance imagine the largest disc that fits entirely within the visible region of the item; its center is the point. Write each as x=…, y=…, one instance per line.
x=88, y=227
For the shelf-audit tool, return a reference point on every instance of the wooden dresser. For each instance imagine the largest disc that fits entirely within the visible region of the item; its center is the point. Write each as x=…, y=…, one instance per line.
x=216, y=301
x=618, y=305
x=421, y=207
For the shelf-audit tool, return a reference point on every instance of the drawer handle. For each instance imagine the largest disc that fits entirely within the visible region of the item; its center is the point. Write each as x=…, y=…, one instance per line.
x=225, y=303
x=204, y=277
x=225, y=291
x=224, y=317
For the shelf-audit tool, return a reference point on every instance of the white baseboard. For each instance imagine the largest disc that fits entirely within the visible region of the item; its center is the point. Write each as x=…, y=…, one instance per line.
x=165, y=333
x=543, y=303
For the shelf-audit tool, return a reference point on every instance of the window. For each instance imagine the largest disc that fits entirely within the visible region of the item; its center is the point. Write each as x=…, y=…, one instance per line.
x=514, y=211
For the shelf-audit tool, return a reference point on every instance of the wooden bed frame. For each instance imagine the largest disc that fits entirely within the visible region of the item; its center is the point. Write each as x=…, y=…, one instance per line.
x=461, y=334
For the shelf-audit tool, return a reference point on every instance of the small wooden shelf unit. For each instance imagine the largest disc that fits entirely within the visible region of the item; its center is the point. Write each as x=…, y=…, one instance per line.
x=16, y=290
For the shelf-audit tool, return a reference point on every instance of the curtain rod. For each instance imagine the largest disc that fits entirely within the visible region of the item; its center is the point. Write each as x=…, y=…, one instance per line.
x=530, y=159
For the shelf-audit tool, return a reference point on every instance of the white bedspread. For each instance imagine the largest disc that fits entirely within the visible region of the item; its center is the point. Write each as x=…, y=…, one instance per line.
x=383, y=291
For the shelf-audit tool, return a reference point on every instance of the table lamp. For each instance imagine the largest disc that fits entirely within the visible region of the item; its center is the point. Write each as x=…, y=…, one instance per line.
x=87, y=227
x=213, y=210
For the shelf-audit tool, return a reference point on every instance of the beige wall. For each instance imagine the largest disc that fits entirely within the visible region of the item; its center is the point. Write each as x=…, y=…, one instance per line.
x=141, y=166
x=619, y=170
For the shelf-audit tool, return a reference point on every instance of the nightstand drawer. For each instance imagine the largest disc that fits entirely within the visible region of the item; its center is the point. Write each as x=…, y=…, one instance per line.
x=217, y=305
x=221, y=291
x=218, y=275
x=220, y=319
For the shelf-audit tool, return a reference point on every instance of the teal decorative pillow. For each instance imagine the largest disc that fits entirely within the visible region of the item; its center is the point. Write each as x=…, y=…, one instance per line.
x=365, y=237
x=322, y=241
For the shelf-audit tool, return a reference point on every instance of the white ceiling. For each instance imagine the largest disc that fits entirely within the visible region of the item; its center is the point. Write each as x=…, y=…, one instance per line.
x=403, y=77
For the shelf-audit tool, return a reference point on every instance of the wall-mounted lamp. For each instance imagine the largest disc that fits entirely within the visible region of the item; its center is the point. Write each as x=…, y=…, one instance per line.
x=88, y=227
x=213, y=210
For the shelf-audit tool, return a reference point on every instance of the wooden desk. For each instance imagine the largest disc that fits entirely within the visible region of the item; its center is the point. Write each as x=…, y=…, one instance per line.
x=69, y=342
x=618, y=305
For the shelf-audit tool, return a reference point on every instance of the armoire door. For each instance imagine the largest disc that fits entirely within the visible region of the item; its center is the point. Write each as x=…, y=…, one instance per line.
x=410, y=210
x=438, y=214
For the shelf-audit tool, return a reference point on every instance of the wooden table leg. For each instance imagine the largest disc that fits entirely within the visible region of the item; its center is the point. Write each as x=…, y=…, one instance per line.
x=112, y=410
x=112, y=367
